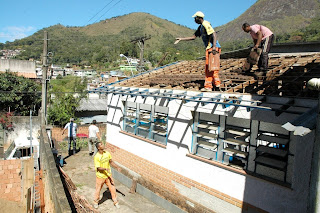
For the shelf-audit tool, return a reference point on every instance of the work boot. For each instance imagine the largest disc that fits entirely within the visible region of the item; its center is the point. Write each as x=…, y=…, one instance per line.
x=217, y=89
x=206, y=90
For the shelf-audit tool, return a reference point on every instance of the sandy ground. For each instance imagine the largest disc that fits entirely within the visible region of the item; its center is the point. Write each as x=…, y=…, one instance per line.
x=10, y=206
x=80, y=168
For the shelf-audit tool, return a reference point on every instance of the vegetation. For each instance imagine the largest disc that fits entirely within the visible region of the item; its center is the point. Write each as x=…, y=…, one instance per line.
x=310, y=33
x=6, y=120
x=282, y=17
x=19, y=94
x=100, y=44
x=65, y=95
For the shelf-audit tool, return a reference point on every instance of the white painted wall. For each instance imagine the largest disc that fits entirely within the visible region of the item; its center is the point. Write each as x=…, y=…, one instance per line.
x=18, y=65
x=263, y=194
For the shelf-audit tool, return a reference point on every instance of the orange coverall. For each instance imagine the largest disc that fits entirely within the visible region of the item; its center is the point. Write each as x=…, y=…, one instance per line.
x=212, y=68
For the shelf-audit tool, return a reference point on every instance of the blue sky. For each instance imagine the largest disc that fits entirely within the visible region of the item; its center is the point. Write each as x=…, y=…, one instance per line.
x=21, y=18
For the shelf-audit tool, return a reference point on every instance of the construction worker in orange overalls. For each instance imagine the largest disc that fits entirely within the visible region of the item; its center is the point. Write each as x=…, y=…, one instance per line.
x=213, y=50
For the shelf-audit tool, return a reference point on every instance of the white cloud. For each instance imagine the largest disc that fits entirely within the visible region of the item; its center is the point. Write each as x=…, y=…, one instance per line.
x=13, y=32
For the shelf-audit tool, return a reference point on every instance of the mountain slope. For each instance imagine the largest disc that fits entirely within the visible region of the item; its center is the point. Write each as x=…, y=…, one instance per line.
x=103, y=42
x=281, y=16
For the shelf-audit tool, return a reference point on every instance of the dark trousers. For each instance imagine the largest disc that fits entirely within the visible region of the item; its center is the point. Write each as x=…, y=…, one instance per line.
x=74, y=142
x=264, y=58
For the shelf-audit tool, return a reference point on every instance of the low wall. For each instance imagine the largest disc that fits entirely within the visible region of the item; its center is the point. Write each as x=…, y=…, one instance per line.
x=84, y=129
x=55, y=197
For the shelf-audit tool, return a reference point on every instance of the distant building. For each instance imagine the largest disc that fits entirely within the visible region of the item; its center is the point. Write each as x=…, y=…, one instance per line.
x=85, y=73
x=9, y=54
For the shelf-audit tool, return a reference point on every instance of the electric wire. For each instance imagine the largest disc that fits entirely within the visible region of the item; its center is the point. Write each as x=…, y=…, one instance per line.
x=100, y=10
x=108, y=10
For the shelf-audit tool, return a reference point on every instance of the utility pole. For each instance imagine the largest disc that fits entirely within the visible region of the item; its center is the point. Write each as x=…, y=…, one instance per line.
x=44, y=79
x=140, y=42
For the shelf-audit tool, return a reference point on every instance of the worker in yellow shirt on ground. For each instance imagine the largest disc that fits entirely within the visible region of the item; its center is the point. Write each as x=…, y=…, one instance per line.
x=213, y=50
x=102, y=162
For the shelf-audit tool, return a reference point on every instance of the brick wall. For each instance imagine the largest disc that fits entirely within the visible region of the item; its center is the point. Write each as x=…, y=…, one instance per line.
x=161, y=181
x=57, y=131
x=10, y=180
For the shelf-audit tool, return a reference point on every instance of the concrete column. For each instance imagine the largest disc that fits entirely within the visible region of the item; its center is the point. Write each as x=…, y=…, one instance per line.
x=254, y=130
x=222, y=127
x=194, y=132
x=314, y=201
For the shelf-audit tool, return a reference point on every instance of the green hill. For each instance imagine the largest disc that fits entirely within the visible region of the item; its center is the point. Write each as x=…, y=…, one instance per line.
x=101, y=43
x=281, y=16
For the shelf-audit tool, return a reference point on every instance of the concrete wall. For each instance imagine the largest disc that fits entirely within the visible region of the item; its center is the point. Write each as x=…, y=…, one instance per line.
x=84, y=129
x=21, y=128
x=191, y=182
x=54, y=194
x=17, y=65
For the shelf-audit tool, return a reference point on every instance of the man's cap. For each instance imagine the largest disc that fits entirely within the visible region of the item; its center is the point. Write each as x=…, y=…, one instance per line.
x=71, y=119
x=198, y=14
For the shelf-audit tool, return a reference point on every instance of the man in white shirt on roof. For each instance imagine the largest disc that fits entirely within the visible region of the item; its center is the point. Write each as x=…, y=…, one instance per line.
x=93, y=137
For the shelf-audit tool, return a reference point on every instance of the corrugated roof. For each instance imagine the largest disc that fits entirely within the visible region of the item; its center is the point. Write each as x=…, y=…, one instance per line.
x=93, y=105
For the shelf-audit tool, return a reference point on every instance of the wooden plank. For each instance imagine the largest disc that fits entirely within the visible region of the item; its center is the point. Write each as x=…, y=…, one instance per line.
x=207, y=126
x=130, y=124
x=235, y=152
x=207, y=145
x=160, y=132
x=163, y=125
x=145, y=120
x=235, y=142
x=206, y=135
x=144, y=127
x=237, y=132
x=130, y=117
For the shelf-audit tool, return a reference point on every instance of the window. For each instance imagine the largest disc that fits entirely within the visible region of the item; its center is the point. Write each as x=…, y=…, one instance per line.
x=147, y=121
x=259, y=148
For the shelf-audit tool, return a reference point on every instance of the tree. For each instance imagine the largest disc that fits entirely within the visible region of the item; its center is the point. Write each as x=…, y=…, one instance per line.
x=66, y=94
x=19, y=94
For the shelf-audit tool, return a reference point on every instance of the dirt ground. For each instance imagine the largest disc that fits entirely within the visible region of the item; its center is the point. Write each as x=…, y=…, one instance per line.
x=80, y=169
x=10, y=206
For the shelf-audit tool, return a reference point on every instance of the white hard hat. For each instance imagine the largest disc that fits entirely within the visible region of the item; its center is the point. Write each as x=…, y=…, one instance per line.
x=198, y=14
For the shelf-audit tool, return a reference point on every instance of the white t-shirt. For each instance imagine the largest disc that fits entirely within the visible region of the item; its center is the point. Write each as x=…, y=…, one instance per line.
x=93, y=130
x=73, y=130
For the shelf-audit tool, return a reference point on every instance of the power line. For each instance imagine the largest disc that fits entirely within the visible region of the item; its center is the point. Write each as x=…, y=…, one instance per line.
x=100, y=10
x=39, y=92
x=108, y=10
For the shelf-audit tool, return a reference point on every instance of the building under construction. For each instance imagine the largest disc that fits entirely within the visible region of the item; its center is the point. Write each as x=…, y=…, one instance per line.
x=245, y=148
